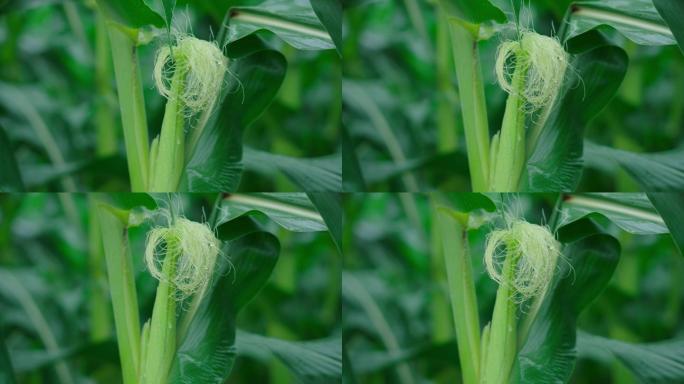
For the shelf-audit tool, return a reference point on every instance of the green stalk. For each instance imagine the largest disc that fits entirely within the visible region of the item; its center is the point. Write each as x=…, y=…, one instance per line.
x=122, y=289
x=446, y=122
x=98, y=300
x=104, y=116
x=131, y=102
x=503, y=343
x=473, y=104
x=511, y=156
x=161, y=346
x=461, y=292
x=169, y=158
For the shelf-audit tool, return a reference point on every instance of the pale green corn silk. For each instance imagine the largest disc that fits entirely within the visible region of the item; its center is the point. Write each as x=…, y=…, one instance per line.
x=203, y=67
x=196, y=249
x=537, y=253
x=544, y=61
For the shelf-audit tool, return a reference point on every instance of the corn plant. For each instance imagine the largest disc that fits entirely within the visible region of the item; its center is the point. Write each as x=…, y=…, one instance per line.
x=173, y=91
x=519, y=289
x=506, y=95
x=181, y=276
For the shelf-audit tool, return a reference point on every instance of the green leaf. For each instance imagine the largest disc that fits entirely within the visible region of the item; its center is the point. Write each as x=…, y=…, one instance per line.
x=555, y=163
x=468, y=202
x=207, y=352
x=352, y=175
x=475, y=12
x=131, y=13
x=314, y=361
x=638, y=20
x=10, y=177
x=6, y=370
x=329, y=205
x=320, y=174
x=632, y=212
x=660, y=171
x=653, y=363
x=292, y=211
x=671, y=209
x=548, y=355
x=671, y=11
x=329, y=12
x=216, y=164
x=294, y=21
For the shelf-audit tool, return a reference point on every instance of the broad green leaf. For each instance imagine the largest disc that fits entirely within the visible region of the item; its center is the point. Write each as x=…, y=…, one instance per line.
x=294, y=21
x=653, y=363
x=207, y=352
x=548, y=354
x=10, y=177
x=468, y=202
x=475, y=12
x=638, y=20
x=329, y=205
x=671, y=209
x=659, y=171
x=6, y=370
x=216, y=164
x=320, y=174
x=292, y=211
x=314, y=361
x=671, y=11
x=632, y=212
x=329, y=12
x=555, y=164
x=131, y=13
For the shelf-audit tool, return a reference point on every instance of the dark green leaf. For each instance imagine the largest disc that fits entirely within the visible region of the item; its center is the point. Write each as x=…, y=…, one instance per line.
x=548, y=355
x=468, y=202
x=660, y=171
x=316, y=361
x=671, y=11
x=653, y=363
x=473, y=11
x=329, y=205
x=10, y=177
x=671, y=209
x=329, y=12
x=638, y=20
x=292, y=211
x=352, y=176
x=294, y=21
x=6, y=370
x=131, y=13
x=207, y=352
x=555, y=164
x=322, y=174
x=216, y=164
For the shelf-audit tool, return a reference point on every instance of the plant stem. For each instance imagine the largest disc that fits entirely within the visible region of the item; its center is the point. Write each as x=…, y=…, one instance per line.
x=503, y=330
x=161, y=346
x=473, y=104
x=169, y=160
x=461, y=292
x=98, y=300
x=511, y=156
x=446, y=121
x=132, y=104
x=105, y=120
x=122, y=290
